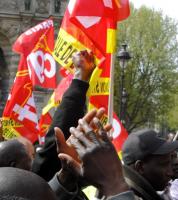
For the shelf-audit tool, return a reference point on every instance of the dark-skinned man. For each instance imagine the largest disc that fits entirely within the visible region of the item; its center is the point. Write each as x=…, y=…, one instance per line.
x=147, y=163
x=14, y=153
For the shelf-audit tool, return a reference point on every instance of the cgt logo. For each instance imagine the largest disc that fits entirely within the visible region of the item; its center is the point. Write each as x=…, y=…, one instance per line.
x=42, y=64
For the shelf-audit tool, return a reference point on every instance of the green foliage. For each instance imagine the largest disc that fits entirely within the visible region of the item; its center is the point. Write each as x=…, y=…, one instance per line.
x=151, y=76
x=172, y=117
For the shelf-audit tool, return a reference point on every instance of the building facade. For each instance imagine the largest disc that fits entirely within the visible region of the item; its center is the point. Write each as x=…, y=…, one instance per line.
x=16, y=16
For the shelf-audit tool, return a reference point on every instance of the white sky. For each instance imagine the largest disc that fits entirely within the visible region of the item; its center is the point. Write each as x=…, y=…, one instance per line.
x=169, y=7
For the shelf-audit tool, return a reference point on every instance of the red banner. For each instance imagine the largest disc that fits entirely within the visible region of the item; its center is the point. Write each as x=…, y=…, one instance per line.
x=92, y=25
x=36, y=67
x=116, y=9
x=120, y=134
x=37, y=44
x=44, y=123
x=20, y=105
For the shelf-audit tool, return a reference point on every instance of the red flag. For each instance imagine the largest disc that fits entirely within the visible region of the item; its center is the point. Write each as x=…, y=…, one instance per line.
x=62, y=87
x=124, y=10
x=95, y=30
x=98, y=20
x=116, y=9
x=56, y=97
x=120, y=133
x=37, y=44
x=70, y=40
x=27, y=41
x=20, y=105
x=44, y=123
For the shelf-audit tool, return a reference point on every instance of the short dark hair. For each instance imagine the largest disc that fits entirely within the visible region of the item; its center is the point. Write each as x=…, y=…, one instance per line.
x=24, y=184
x=9, y=197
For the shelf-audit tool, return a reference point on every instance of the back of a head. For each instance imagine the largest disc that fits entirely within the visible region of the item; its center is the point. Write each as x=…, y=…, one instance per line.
x=14, y=154
x=28, y=146
x=18, y=183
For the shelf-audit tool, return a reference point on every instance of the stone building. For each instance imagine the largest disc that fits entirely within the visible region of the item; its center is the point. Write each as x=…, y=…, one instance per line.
x=16, y=16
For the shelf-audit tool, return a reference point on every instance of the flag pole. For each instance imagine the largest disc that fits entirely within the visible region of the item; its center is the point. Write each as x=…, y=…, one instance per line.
x=176, y=136
x=111, y=90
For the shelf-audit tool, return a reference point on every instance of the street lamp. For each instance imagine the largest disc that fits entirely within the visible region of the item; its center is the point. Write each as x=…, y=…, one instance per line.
x=123, y=56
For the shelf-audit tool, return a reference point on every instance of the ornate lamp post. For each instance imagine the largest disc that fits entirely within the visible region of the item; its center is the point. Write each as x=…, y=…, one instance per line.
x=123, y=56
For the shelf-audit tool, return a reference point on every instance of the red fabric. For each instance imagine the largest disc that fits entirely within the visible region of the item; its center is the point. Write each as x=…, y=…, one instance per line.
x=120, y=134
x=64, y=72
x=20, y=104
x=44, y=123
x=97, y=32
x=26, y=42
x=37, y=44
x=118, y=10
x=80, y=34
x=62, y=87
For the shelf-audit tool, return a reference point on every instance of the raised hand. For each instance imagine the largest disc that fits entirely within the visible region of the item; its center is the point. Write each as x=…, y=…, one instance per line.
x=84, y=65
x=100, y=166
x=65, y=147
x=70, y=160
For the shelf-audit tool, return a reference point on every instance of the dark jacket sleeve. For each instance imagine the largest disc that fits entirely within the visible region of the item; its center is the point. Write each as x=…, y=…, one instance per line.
x=60, y=191
x=46, y=162
x=63, y=194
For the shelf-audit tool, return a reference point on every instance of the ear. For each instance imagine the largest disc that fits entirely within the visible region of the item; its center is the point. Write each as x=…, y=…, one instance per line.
x=139, y=167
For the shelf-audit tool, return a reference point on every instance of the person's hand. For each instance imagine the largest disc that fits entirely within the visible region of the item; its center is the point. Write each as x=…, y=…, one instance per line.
x=70, y=160
x=98, y=114
x=100, y=166
x=84, y=65
x=68, y=175
x=65, y=147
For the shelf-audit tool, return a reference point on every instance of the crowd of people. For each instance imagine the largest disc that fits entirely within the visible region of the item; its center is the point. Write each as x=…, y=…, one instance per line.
x=78, y=152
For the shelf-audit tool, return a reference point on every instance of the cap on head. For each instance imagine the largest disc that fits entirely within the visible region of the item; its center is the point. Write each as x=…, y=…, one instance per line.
x=143, y=143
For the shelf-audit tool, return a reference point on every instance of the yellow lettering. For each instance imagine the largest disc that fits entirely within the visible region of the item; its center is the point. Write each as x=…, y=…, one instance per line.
x=100, y=87
x=66, y=45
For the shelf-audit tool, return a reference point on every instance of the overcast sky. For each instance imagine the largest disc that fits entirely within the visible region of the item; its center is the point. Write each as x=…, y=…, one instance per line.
x=169, y=7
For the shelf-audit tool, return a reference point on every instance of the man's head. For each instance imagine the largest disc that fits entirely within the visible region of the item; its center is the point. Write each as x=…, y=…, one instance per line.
x=150, y=156
x=14, y=154
x=24, y=184
x=28, y=146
